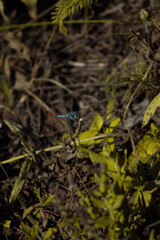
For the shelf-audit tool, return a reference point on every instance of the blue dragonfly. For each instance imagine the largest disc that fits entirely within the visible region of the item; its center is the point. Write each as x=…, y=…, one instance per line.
x=72, y=120
x=73, y=116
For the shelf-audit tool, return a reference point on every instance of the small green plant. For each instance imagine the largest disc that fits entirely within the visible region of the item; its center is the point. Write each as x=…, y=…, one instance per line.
x=34, y=214
x=123, y=199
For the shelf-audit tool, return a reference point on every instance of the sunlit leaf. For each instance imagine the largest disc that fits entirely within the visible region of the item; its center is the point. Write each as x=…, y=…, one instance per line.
x=151, y=109
x=97, y=123
x=6, y=223
x=110, y=108
x=49, y=233
x=147, y=197
x=114, y=123
x=147, y=147
x=87, y=134
x=135, y=199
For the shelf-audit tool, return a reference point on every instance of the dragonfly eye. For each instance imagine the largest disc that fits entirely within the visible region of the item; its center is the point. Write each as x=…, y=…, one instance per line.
x=77, y=115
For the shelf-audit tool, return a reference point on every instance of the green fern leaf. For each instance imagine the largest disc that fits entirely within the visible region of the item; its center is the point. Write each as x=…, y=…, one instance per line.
x=65, y=8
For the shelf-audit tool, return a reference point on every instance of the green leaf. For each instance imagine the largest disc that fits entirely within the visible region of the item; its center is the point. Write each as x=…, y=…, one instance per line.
x=31, y=233
x=50, y=233
x=20, y=180
x=7, y=92
x=87, y=134
x=37, y=192
x=151, y=109
x=48, y=200
x=147, y=147
x=27, y=211
x=135, y=199
x=118, y=201
x=151, y=235
x=102, y=222
x=6, y=223
x=114, y=123
x=147, y=197
x=100, y=203
x=97, y=158
x=110, y=108
x=97, y=123
x=76, y=223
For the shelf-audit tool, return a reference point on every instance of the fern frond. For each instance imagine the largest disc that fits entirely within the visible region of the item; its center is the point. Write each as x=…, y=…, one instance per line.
x=65, y=8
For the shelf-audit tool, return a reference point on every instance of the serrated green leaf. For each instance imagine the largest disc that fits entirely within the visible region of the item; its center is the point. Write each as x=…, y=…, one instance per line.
x=151, y=109
x=48, y=200
x=38, y=194
x=65, y=8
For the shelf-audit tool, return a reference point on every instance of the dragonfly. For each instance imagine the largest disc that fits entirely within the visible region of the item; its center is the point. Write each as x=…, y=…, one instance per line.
x=72, y=120
x=73, y=116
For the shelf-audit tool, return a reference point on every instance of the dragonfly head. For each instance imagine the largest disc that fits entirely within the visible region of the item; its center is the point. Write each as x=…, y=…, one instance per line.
x=74, y=115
